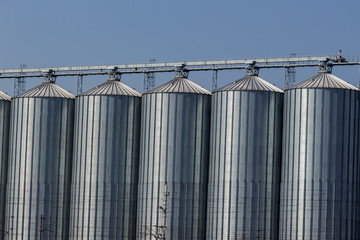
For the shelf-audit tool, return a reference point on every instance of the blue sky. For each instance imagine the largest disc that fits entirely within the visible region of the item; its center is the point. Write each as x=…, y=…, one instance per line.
x=61, y=33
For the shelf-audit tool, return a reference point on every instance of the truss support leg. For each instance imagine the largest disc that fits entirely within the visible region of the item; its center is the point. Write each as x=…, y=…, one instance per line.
x=146, y=85
x=19, y=85
x=290, y=73
x=16, y=86
x=214, y=80
x=79, y=84
x=149, y=81
x=149, y=78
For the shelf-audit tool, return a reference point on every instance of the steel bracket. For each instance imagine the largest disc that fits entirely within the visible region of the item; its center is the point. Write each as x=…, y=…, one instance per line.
x=252, y=69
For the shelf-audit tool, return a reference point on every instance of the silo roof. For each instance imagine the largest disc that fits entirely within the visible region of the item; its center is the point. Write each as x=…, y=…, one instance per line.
x=4, y=97
x=250, y=83
x=324, y=80
x=46, y=89
x=179, y=85
x=112, y=87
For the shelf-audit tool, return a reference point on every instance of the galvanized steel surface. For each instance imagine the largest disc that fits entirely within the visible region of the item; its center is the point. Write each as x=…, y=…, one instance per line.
x=179, y=85
x=244, y=170
x=105, y=168
x=112, y=87
x=324, y=80
x=174, y=152
x=46, y=89
x=4, y=147
x=39, y=175
x=4, y=96
x=320, y=188
x=250, y=83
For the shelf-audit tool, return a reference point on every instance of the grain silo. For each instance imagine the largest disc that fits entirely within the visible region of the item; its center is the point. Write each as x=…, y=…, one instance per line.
x=320, y=189
x=174, y=161
x=4, y=147
x=40, y=156
x=245, y=158
x=105, y=166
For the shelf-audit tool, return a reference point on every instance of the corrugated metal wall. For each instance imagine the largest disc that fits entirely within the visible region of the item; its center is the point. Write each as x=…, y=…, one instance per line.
x=245, y=158
x=39, y=173
x=105, y=169
x=320, y=190
x=174, y=152
x=4, y=147
x=320, y=185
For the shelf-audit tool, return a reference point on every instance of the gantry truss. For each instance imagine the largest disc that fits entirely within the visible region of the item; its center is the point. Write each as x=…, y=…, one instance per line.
x=181, y=67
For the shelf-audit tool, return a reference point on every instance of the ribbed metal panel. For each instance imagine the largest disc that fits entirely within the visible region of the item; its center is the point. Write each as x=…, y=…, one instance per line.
x=250, y=83
x=245, y=158
x=39, y=173
x=112, y=87
x=174, y=152
x=105, y=169
x=4, y=147
x=320, y=188
x=324, y=80
x=47, y=89
x=4, y=96
x=179, y=85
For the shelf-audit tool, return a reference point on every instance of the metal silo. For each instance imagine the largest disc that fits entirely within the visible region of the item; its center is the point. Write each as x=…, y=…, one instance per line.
x=174, y=161
x=320, y=189
x=245, y=158
x=40, y=158
x=4, y=147
x=106, y=159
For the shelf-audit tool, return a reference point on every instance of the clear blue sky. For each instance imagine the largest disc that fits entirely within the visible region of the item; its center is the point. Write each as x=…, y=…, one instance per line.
x=67, y=32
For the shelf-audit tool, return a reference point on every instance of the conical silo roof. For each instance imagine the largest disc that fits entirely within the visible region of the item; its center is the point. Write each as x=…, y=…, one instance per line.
x=4, y=97
x=112, y=87
x=324, y=80
x=250, y=83
x=179, y=85
x=46, y=89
